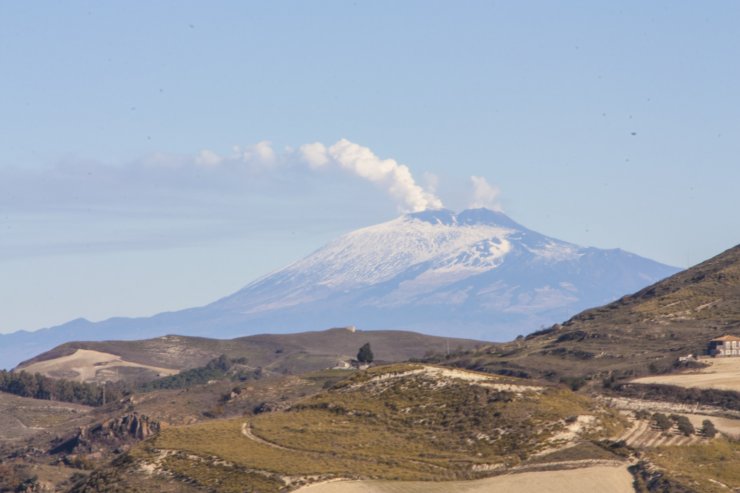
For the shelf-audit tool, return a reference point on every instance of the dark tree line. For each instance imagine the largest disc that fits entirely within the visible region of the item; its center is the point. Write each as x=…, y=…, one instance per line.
x=216, y=369
x=38, y=386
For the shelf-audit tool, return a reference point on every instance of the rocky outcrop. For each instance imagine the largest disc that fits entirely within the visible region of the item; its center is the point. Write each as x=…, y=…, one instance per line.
x=108, y=435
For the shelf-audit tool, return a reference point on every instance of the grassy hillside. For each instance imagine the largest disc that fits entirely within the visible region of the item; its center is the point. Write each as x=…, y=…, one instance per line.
x=639, y=334
x=23, y=417
x=706, y=468
x=51, y=443
x=410, y=422
x=278, y=353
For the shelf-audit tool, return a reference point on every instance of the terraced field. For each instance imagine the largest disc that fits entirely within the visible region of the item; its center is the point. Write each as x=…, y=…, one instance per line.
x=644, y=435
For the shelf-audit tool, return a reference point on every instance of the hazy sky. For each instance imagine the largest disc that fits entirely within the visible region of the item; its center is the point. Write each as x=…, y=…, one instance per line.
x=159, y=155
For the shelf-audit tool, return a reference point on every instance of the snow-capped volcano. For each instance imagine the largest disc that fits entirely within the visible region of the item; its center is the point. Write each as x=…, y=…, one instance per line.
x=473, y=274
x=422, y=251
x=478, y=273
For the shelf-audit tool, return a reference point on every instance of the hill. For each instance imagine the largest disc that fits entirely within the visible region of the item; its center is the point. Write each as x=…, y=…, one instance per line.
x=476, y=274
x=399, y=422
x=24, y=417
x=138, y=361
x=638, y=334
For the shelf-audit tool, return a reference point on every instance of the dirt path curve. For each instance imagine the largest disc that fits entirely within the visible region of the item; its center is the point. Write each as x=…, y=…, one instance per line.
x=247, y=432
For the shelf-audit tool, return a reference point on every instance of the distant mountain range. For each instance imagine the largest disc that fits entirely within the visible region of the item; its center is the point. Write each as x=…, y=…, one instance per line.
x=475, y=274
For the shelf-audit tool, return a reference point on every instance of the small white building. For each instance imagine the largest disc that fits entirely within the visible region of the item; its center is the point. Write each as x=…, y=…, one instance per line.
x=725, y=345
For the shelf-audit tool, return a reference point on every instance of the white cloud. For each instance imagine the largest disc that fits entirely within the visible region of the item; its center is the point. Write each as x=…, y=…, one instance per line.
x=431, y=181
x=261, y=152
x=257, y=170
x=314, y=154
x=484, y=194
x=208, y=158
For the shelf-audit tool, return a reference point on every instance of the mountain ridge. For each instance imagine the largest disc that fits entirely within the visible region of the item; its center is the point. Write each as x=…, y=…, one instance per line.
x=640, y=333
x=476, y=273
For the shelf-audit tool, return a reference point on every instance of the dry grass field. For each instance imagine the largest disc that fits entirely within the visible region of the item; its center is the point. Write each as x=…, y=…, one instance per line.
x=604, y=479
x=23, y=417
x=709, y=467
x=721, y=374
x=85, y=365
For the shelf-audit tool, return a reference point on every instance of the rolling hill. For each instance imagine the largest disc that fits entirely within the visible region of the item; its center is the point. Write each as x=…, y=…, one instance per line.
x=475, y=274
x=397, y=422
x=638, y=334
x=276, y=353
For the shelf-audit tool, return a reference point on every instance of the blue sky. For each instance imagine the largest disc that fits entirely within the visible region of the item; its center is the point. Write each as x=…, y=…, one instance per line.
x=135, y=174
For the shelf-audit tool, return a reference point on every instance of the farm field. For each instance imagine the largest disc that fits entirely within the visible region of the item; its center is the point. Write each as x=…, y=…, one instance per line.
x=605, y=479
x=85, y=365
x=727, y=426
x=24, y=417
x=722, y=374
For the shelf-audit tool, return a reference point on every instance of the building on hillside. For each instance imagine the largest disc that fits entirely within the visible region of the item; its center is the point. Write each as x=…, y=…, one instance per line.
x=726, y=345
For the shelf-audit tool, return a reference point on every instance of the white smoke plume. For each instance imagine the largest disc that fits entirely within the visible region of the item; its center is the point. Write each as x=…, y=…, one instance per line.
x=394, y=177
x=388, y=174
x=484, y=194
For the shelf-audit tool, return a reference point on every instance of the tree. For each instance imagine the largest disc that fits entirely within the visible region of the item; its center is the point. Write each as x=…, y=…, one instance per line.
x=662, y=422
x=684, y=425
x=708, y=429
x=365, y=354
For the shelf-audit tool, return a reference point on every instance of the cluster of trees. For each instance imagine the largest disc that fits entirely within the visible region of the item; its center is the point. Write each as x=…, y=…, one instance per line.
x=38, y=386
x=665, y=423
x=216, y=369
x=726, y=399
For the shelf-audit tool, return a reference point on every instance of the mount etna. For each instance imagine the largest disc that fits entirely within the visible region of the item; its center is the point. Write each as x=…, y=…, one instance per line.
x=475, y=274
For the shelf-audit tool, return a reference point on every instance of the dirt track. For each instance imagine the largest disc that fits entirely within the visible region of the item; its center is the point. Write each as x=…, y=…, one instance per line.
x=604, y=479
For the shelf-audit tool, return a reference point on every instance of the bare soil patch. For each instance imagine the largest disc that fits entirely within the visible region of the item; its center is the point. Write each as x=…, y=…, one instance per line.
x=722, y=374
x=605, y=479
x=85, y=365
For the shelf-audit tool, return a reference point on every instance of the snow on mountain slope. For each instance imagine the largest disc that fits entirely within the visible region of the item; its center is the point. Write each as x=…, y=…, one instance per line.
x=379, y=253
x=473, y=274
x=479, y=263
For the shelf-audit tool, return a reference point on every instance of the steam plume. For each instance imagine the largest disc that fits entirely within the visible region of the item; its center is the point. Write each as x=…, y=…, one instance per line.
x=394, y=177
x=484, y=194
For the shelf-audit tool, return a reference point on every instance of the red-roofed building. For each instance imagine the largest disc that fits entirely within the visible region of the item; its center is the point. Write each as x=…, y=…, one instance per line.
x=725, y=345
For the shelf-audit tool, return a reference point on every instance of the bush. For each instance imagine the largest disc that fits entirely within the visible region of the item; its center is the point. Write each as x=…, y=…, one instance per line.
x=662, y=422
x=642, y=414
x=684, y=425
x=574, y=383
x=708, y=429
